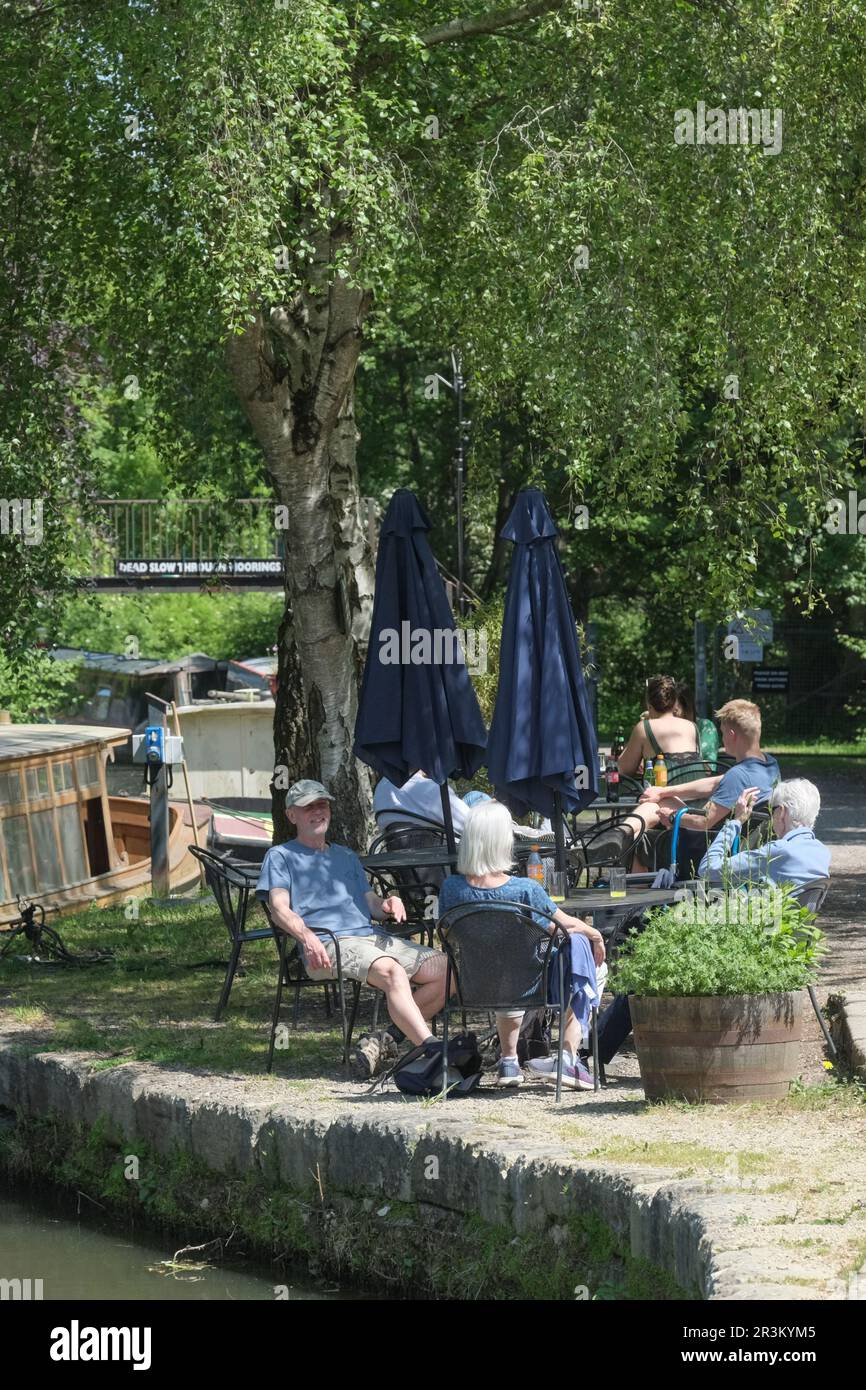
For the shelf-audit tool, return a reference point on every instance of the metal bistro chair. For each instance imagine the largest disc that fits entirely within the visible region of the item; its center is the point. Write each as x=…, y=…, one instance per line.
x=414, y=885
x=231, y=884
x=811, y=895
x=499, y=958
x=628, y=784
x=293, y=974
x=610, y=845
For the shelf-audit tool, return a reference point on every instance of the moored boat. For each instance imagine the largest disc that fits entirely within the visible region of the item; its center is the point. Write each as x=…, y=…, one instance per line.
x=63, y=840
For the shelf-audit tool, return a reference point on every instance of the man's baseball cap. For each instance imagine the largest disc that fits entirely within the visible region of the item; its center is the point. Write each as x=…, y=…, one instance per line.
x=305, y=792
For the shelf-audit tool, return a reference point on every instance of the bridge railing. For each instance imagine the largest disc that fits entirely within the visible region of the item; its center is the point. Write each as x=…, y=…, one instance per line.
x=206, y=528
x=138, y=528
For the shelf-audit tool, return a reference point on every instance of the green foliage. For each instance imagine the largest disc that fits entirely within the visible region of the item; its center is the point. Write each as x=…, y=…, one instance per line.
x=757, y=942
x=168, y=626
x=33, y=688
x=487, y=619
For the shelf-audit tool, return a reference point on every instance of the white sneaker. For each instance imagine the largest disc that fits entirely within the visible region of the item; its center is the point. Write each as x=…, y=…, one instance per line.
x=543, y=1066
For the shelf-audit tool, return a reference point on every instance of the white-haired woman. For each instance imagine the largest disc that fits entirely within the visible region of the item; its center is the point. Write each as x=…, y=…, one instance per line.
x=795, y=854
x=484, y=859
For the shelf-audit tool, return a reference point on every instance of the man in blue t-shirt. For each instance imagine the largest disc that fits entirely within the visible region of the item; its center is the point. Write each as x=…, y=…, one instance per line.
x=311, y=887
x=740, y=722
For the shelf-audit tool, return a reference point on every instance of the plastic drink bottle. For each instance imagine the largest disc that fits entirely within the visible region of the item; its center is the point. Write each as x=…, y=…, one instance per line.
x=534, y=866
x=661, y=772
x=648, y=774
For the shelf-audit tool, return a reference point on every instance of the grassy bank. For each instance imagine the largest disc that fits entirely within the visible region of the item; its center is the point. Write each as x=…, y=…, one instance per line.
x=395, y=1248
x=822, y=758
x=155, y=1000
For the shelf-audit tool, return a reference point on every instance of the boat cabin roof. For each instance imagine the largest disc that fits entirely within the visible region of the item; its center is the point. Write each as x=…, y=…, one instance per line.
x=134, y=666
x=26, y=740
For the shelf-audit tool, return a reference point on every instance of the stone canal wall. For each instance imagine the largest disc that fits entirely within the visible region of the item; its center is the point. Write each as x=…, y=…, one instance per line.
x=399, y=1195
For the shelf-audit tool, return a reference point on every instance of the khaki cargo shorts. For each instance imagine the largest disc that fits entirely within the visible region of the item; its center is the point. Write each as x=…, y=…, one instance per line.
x=357, y=954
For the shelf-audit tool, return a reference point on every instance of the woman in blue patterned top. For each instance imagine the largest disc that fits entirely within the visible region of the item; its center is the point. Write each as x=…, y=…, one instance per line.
x=484, y=859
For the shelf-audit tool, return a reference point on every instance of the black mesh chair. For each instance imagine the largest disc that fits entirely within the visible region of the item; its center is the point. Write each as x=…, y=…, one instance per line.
x=630, y=786
x=689, y=772
x=232, y=884
x=609, y=845
x=498, y=957
x=760, y=829
x=293, y=975
x=414, y=885
x=811, y=896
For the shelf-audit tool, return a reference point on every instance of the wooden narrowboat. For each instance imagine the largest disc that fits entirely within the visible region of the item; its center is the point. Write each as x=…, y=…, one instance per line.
x=63, y=840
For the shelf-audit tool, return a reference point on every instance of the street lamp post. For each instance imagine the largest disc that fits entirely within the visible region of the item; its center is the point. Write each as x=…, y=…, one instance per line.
x=457, y=386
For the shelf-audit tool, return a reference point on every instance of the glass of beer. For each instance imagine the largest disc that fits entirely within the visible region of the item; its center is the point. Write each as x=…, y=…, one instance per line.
x=558, y=885
x=617, y=883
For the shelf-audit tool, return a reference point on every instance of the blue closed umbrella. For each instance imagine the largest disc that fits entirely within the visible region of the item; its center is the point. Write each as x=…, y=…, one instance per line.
x=542, y=728
x=417, y=707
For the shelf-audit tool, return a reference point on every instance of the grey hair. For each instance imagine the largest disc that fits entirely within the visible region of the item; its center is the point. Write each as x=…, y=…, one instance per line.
x=801, y=799
x=487, y=840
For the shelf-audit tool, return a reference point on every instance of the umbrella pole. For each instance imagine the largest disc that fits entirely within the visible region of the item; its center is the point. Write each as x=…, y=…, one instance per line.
x=558, y=832
x=447, y=819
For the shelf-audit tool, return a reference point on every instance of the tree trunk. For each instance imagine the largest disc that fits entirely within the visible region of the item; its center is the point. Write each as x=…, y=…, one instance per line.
x=293, y=372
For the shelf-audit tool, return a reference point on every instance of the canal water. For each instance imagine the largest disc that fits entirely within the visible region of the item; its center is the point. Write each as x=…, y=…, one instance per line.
x=80, y=1257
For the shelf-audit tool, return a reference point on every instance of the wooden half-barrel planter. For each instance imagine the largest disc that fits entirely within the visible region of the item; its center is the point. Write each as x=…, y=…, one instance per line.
x=735, y=1047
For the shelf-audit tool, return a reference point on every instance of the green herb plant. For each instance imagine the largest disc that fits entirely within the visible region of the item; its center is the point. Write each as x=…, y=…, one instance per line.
x=760, y=942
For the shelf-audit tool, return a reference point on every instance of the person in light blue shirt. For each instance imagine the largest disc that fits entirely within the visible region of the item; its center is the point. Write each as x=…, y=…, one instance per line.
x=484, y=875
x=794, y=856
x=312, y=886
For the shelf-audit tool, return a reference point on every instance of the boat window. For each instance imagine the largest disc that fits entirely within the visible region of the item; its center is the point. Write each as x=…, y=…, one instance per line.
x=10, y=787
x=100, y=703
x=63, y=779
x=38, y=785
x=88, y=770
x=18, y=856
x=45, y=846
x=72, y=842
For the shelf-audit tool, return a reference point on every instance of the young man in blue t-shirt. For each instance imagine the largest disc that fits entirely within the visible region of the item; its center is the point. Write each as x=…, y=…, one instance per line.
x=740, y=722
x=311, y=886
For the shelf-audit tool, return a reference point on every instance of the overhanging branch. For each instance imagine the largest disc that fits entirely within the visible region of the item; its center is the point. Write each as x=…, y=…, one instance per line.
x=488, y=23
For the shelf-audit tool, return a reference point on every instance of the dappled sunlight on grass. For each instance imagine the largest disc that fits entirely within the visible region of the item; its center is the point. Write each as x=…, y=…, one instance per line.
x=155, y=1000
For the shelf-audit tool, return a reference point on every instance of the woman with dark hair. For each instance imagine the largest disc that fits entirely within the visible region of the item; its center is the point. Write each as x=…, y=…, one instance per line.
x=662, y=732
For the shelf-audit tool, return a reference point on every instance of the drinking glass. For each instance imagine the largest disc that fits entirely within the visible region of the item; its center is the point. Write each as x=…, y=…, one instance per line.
x=558, y=885
x=617, y=883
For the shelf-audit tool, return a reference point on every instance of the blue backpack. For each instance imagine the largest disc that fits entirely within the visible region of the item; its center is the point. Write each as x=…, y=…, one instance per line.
x=419, y=1073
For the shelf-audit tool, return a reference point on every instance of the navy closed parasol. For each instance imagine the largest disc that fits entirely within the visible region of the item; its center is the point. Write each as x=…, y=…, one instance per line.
x=417, y=707
x=542, y=728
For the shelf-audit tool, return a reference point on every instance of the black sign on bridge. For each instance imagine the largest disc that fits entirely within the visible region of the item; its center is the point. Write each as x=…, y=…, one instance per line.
x=771, y=680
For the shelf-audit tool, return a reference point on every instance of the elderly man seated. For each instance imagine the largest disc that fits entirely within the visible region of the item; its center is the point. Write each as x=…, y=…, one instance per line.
x=795, y=854
x=309, y=884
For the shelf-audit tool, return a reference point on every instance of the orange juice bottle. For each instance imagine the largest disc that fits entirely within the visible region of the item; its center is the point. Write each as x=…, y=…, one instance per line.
x=534, y=866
